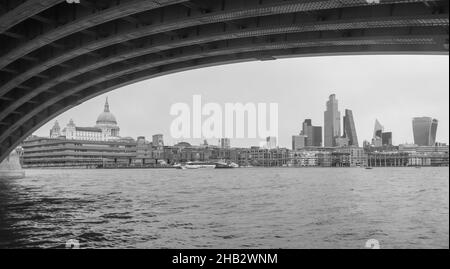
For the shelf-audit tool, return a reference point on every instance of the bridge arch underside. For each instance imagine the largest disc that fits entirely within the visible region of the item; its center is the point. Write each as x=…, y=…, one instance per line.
x=54, y=55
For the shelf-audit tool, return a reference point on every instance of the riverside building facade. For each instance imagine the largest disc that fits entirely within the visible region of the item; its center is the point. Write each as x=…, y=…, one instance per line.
x=84, y=147
x=41, y=152
x=126, y=153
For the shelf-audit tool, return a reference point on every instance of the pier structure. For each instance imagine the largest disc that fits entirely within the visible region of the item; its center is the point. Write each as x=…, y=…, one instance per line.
x=10, y=168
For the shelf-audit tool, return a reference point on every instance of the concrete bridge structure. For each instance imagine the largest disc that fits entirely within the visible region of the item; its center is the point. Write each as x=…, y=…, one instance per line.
x=55, y=55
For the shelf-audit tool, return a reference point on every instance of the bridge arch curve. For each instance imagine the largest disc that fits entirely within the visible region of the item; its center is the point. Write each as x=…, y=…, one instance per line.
x=55, y=55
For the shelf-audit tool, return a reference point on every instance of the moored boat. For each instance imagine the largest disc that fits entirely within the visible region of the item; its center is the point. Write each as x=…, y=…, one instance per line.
x=199, y=165
x=224, y=165
x=206, y=165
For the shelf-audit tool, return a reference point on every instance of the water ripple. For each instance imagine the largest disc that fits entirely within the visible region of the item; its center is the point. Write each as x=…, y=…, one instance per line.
x=241, y=208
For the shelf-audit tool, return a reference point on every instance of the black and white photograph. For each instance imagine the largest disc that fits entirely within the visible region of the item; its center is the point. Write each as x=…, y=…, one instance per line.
x=245, y=127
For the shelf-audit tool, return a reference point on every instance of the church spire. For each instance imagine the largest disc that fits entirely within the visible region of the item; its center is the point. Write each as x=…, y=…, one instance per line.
x=106, y=105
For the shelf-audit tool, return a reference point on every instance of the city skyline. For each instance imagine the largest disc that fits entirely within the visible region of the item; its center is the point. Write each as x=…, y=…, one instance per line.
x=224, y=131
x=152, y=119
x=424, y=131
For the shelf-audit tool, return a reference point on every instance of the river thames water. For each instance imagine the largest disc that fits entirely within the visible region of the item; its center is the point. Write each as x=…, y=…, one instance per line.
x=240, y=208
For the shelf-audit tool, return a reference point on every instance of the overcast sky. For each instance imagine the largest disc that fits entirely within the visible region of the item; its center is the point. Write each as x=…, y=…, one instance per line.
x=392, y=89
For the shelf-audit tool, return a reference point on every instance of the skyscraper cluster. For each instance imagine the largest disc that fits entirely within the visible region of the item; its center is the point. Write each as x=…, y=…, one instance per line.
x=335, y=135
x=311, y=136
x=424, y=130
x=332, y=119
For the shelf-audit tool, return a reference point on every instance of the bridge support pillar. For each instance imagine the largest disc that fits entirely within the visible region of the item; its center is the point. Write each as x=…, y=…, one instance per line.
x=10, y=168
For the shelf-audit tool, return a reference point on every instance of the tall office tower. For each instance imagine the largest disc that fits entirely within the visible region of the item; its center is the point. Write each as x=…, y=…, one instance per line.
x=158, y=140
x=350, y=129
x=425, y=130
x=378, y=130
x=377, y=140
x=313, y=134
x=307, y=123
x=271, y=142
x=225, y=143
x=434, y=128
x=317, y=136
x=298, y=142
x=387, y=138
x=332, y=121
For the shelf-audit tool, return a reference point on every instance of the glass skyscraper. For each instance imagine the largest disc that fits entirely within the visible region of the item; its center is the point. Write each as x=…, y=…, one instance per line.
x=312, y=133
x=378, y=130
x=377, y=140
x=425, y=130
x=387, y=138
x=298, y=142
x=350, y=129
x=332, y=122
